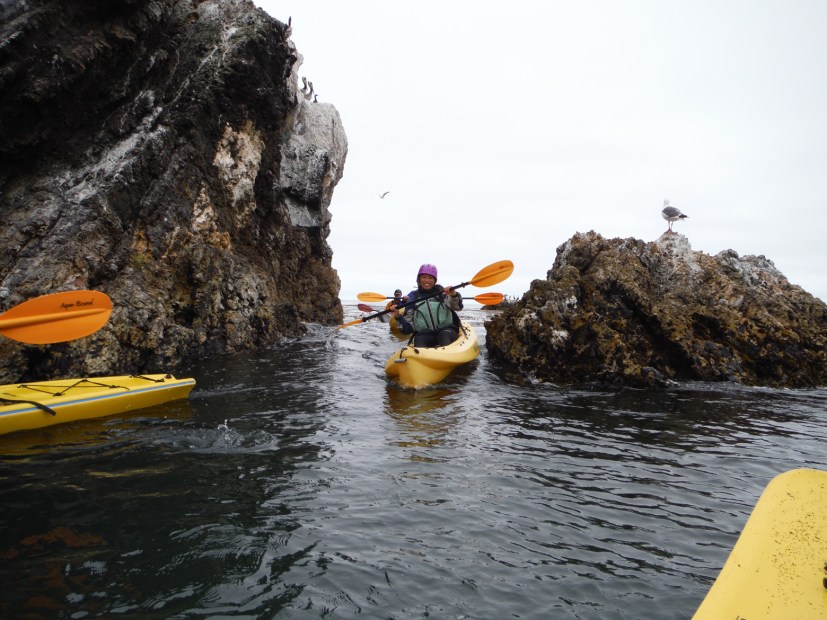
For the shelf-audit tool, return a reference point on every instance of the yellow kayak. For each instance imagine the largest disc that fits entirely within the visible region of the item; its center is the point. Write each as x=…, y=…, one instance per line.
x=395, y=329
x=420, y=366
x=394, y=324
x=39, y=404
x=777, y=567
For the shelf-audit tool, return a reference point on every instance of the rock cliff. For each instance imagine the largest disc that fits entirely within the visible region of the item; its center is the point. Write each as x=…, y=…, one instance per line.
x=627, y=313
x=159, y=151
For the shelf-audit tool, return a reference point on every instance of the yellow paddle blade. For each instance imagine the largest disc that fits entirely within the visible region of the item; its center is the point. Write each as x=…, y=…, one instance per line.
x=489, y=299
x=356, y=322
x=58, y=317
x=371, y=297
x=493, y=274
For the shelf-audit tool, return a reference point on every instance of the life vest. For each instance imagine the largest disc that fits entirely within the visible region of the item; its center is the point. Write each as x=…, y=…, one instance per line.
x=431, y=315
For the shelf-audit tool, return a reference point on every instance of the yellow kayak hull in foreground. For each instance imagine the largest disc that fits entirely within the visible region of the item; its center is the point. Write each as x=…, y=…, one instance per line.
x=417, y=367
x=39, y=404
x=777, y=567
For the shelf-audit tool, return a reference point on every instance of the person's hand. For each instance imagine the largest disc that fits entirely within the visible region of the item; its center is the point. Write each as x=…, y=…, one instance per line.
x=449, y=290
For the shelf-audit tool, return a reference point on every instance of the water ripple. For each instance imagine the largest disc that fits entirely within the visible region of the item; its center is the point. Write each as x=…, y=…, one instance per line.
x=298, y=483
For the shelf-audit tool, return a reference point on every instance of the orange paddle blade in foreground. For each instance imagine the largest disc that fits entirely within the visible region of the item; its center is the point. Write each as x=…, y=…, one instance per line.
x=58, y=317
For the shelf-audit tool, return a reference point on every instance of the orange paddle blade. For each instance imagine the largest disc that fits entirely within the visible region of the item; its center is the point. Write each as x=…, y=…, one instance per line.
x=489, y=299
x=371, y=297
x=493, y=274
x=356, y=322
x=58, y=317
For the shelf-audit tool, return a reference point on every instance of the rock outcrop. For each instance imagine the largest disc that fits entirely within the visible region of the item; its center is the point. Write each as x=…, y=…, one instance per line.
x=627, y=313
x=159, y=151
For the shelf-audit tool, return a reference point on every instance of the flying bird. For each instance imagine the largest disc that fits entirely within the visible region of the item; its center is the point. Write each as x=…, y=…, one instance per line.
x=383, y=194
x=671, y=214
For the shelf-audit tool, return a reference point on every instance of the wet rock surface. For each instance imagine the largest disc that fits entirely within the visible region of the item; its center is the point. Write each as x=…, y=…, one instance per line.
x=623, y=312
x=160, y=151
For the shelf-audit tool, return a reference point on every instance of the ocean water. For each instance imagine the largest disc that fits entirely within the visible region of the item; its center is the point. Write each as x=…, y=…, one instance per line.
x=297, y=482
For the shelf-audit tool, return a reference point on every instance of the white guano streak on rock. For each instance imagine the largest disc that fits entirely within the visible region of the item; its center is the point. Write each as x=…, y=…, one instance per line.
x=312, y=157
x=111, y=163
x=238, y=158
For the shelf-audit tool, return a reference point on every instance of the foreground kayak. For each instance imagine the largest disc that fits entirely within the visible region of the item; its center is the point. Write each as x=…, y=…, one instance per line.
x=420, y=366
x=777, y=567
x=34, y=405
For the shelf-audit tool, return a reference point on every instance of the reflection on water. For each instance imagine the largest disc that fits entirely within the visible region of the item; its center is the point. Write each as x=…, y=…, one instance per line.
x=425, y=417
x=299, y=483
x=97, y=431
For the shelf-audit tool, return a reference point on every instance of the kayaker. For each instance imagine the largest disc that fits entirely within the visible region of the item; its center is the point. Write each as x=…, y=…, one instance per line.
x=433, y=320
x=396, y=301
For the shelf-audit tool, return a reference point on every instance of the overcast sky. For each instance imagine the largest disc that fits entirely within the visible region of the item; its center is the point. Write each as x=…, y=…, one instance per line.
x=501, y=129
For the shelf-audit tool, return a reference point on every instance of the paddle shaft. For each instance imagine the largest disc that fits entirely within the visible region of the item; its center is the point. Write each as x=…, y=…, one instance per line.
x=483, y=298
x=48, y=318
x=492, y=274
x=405, y=305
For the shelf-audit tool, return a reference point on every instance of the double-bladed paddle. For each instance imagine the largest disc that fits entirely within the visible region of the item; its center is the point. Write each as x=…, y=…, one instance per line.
x=486, y=299
x=493, y=274
x=367, y=308
x=373, y=297
x=58, y=317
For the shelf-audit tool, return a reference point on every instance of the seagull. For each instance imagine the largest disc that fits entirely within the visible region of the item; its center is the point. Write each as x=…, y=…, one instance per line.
x=383, y=194
x=309, y=94
x=304, y=88
x=671, y=214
